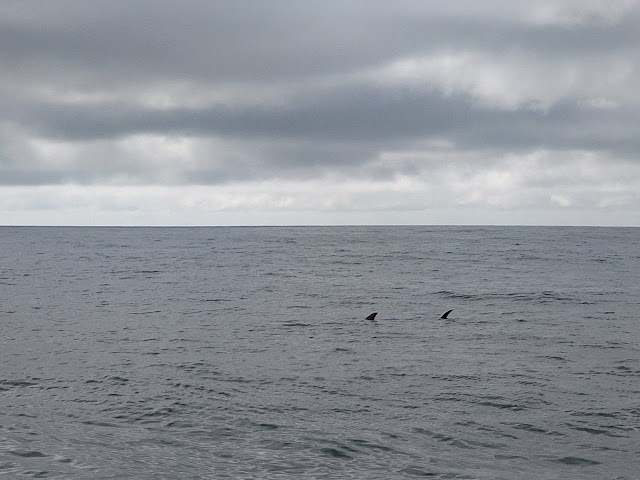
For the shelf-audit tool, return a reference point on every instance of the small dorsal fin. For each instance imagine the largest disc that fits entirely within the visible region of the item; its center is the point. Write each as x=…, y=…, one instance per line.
x=372, y=316
x=446, y=314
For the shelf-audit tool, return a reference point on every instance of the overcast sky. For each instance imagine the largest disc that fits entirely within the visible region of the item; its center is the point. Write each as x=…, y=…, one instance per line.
x=204, y=112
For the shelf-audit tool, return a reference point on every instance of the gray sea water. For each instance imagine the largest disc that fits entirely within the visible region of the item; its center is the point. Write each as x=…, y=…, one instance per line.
x=206, y=353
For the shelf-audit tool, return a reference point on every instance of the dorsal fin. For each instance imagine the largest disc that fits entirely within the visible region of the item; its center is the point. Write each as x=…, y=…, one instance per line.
x=446, y=314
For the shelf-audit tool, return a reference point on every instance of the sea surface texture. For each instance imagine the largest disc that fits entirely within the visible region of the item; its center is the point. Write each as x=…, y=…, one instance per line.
x=240, y=353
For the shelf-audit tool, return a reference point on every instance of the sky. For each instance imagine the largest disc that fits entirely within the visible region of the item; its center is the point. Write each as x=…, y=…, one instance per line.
x=205, y=112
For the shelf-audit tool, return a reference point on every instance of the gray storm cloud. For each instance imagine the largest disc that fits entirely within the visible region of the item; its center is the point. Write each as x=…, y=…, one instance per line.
x=220, y=93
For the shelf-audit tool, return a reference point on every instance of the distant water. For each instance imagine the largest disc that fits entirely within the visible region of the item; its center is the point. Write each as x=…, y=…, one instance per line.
x=206, y=353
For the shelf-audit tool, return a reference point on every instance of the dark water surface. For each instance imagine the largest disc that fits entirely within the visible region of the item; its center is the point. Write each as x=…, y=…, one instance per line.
x=166, y=353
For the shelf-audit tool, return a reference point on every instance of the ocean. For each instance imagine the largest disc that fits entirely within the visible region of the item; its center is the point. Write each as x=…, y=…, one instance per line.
x=243, y=352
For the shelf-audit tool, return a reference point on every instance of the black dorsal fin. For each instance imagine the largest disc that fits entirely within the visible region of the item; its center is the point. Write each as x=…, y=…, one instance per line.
x=446, y=314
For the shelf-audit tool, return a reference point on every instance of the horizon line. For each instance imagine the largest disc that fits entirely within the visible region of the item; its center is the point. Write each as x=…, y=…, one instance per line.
x=318, y=225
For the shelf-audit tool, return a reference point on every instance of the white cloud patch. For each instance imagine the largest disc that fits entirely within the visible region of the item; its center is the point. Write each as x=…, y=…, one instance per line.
x=560, y=200
x=540, y=181
x=514, y=80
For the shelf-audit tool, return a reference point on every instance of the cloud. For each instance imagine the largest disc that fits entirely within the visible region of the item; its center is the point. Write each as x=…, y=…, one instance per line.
x=574, y=189
x=405, y=106
x=513, y=80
